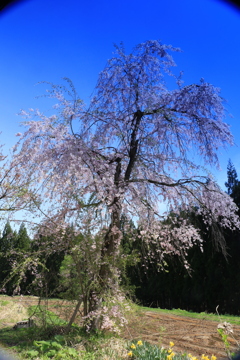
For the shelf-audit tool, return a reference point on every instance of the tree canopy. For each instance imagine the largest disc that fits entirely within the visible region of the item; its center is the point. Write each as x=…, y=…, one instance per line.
x=126, y=153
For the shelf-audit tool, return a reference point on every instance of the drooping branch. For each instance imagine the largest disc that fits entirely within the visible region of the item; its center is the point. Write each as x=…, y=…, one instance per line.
x=179, y=182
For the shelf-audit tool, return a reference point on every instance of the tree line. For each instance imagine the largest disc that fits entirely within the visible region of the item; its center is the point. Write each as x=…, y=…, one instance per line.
x=24, y=267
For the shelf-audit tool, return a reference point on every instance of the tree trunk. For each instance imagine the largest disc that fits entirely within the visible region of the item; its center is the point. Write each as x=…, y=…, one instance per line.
x=108, y=283
x=108, y=275
x=74, y=314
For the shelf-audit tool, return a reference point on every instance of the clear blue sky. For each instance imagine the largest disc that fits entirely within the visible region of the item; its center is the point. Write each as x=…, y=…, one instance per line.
x=46, y=40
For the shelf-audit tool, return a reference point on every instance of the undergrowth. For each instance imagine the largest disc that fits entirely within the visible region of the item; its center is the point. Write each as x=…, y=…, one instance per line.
x=45, y=344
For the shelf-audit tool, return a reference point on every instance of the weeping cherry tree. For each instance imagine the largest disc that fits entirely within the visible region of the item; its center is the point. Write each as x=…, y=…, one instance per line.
x=134, y=148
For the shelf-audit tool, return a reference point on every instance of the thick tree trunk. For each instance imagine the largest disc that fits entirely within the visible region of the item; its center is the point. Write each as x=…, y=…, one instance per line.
x=108, y=274
x=108, y=278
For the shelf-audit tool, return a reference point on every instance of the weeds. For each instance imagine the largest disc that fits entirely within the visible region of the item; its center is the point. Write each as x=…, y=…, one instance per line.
x=225, y=329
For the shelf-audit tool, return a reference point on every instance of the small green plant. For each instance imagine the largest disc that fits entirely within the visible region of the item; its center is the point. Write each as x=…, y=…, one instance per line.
x=224, y=338
x=4, y=302
x=32, y=354
x=52, y=349
x=224, y=329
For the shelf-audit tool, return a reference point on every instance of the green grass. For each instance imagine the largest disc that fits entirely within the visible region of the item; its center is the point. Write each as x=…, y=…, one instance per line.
x=4, y=302
x=208, y=316
x=44, y=316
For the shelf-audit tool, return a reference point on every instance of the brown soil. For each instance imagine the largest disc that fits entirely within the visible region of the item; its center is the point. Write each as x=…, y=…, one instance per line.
x=189, y=335
x=195, y=336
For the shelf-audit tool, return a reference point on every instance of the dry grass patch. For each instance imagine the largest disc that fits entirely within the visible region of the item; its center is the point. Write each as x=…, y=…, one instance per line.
x=111, y=349
x=11, y=312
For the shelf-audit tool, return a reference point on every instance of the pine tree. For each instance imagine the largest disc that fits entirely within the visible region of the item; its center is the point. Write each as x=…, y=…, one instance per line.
x=233, y=184
x=232, y=178
x=23, y=241
x=7, y=243
x=8, y=239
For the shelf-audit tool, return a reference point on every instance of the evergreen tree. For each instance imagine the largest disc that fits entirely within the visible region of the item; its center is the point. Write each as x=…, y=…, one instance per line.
x=232, y=178
x=233, y=184
x=7, y=243
x=23, y=241
x=8, y=239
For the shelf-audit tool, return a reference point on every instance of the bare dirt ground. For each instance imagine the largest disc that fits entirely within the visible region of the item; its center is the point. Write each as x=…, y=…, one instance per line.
x=195, y=336
x=189, y=335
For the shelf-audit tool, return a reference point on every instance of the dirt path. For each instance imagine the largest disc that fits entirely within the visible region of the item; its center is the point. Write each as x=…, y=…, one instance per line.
x=189, y=335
